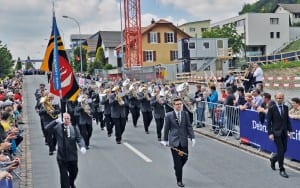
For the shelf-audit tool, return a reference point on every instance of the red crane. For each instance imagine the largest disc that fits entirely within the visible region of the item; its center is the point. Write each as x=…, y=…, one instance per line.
x=133, y=36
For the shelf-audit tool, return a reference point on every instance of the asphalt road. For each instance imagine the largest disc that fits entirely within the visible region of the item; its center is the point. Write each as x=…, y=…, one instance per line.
x=211, y=164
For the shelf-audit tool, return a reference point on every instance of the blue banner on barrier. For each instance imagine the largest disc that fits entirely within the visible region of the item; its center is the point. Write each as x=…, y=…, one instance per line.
x=255, y=133
x=5, y=183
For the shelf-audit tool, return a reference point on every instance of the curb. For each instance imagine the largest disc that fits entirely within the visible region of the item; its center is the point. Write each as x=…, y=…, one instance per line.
x=246, y=148
x=26, y=168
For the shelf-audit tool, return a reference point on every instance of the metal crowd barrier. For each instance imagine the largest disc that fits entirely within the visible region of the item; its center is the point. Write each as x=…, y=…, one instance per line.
x=223, y=119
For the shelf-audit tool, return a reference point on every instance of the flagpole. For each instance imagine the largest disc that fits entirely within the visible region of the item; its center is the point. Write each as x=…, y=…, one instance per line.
x=55, y=40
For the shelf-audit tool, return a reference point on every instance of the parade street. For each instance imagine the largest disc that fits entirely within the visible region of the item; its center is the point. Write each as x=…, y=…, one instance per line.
x=141, y=162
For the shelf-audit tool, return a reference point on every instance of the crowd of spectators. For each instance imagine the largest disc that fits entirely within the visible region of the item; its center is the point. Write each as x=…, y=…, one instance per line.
x=10, y=125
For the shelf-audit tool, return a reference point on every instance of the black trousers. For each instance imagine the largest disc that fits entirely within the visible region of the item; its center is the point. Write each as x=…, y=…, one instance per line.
x=120, y=124
x=179, y=161
x=51, y=139
x=159, y=125
x=99, y=118
x=147, y=118
x=108, y=123
x=281, y=145
x=86, y=131
x=68, y=173
x=135, y=113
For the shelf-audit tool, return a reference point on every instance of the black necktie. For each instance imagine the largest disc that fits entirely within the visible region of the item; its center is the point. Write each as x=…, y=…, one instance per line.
x=281, y=109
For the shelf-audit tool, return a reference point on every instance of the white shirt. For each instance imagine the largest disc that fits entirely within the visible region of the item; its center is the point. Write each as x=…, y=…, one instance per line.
x=178, y=115
x=258, y=74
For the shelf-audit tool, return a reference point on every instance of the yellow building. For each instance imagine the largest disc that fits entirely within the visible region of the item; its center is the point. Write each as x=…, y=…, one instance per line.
x=195, y=29
x=159, y=43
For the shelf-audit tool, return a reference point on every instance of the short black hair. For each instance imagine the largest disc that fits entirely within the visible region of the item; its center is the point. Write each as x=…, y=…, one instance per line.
x=267, y=96
x=241, y=89
x=5, y=115
x=296, y=100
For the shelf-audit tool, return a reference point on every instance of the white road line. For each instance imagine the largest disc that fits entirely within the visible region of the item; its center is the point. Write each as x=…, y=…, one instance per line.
x=137, y=152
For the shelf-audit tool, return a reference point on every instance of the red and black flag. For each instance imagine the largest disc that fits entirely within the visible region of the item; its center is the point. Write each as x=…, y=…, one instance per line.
x=55, y=56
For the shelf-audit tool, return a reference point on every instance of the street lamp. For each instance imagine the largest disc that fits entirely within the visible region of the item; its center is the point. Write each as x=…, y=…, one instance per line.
x=80, y=48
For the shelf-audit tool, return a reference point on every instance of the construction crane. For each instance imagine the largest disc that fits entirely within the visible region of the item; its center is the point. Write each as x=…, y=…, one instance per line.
x=133, y=36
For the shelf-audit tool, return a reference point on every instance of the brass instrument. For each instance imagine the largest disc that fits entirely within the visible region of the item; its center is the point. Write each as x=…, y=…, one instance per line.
x=84, y=104
x=132, y=89
x=187, y=102
x=49, y=108
x=118, y=96
x=120, y=99
x=158, y=98
x=146, y=95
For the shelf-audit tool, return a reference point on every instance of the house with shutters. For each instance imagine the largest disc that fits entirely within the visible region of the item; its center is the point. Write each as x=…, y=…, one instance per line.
x=292, y=9
x=159, y=43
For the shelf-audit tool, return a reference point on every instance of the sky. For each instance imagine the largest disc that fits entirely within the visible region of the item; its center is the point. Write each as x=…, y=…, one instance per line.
x=25, y=25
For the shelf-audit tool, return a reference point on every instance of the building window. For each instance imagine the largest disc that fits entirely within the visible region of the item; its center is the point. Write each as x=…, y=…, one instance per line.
x=271, y=35
x=204, y=29
x=169, y=37
x=153, y=37
x=274, y=20
x=192, y=29
x=240, y=23
x=297, y=15
x=149, y=56
x=192, y=45
x=173, y=55
x=206, y=45
x=278, y=35
x=220, y=43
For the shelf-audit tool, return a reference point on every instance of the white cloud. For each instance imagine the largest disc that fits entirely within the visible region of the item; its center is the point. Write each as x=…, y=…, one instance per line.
x=214, y=10
x=25, y=24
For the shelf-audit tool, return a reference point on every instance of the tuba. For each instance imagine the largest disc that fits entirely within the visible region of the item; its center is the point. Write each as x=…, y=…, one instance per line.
x=49, y=108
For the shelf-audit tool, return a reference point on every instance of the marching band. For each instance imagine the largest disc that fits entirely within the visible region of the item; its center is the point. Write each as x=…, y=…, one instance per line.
x=110, y=107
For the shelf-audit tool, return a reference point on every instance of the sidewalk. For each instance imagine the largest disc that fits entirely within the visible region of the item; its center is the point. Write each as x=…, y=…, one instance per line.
x=231, y=140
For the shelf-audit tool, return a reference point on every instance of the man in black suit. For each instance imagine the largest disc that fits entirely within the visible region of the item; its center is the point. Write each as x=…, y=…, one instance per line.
x=278, y=127
x=67, y=136
x=177, y=131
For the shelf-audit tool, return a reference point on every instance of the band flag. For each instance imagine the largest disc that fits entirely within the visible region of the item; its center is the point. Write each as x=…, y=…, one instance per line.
x=56, y=61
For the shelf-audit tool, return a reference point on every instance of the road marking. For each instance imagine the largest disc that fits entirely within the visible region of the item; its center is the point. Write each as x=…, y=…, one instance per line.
x=137, y=152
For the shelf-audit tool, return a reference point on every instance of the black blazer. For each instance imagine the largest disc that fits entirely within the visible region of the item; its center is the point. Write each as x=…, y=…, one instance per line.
x=178, y=134
x=278, y=124
x=67, y=149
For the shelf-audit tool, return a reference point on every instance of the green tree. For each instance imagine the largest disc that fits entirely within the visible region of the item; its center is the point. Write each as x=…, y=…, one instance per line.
x=99, y=61
x=19, y=64
x=235, y=41
x=108, y=66
x=77, y=62
x=6, y=63
x=28, y=64
x=265, y=5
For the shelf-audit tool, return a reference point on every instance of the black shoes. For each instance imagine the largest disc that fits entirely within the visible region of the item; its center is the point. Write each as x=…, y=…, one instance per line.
x=283, y=174
x=180, y=184
x=273, y=164
x=118, y=142
x=50, y=152
x=109, y=135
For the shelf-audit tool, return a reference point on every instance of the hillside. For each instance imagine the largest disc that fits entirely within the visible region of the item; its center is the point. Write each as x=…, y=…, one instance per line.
x=265, y=5
x=283, y=72
x=294, y=46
